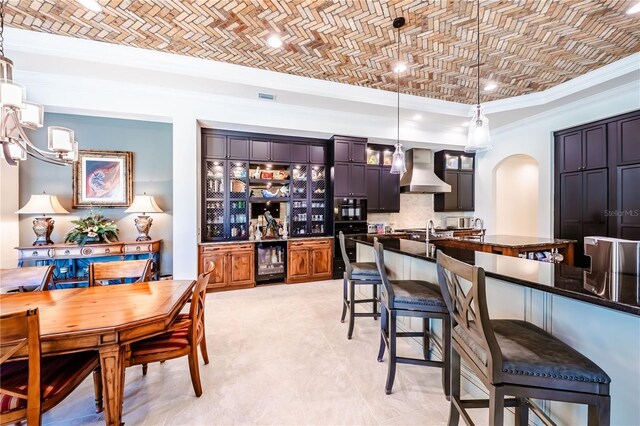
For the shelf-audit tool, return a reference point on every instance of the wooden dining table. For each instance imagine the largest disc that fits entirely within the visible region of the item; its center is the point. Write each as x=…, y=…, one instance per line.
x=106, y=319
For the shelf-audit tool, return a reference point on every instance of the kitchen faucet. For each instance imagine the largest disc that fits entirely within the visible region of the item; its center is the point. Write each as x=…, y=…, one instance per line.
x=431, y=226
x=475, y=223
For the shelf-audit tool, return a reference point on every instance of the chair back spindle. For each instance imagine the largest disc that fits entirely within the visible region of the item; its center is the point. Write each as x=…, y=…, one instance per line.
x=196, y=310
x=464, y=292
x=345, y=258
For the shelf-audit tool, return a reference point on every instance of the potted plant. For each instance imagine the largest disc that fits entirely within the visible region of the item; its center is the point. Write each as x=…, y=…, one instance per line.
x=94, y=228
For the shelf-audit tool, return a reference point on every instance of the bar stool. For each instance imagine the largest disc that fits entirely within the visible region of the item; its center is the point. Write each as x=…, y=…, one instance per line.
x=512, y=357
x=357, y=274
x=410, y=298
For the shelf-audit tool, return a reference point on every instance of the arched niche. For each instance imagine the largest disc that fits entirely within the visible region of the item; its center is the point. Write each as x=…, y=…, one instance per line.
x=517, y=196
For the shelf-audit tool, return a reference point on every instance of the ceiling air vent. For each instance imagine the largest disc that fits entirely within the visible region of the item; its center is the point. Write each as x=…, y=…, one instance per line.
x=267, y=96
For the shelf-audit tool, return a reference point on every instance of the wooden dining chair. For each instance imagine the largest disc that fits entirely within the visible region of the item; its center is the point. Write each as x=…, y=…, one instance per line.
x=103, y=273
x=183, y=338
x=31, y=386
x=29, y=278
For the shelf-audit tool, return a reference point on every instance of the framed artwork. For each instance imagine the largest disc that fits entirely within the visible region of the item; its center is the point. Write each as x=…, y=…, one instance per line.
x=102, y=178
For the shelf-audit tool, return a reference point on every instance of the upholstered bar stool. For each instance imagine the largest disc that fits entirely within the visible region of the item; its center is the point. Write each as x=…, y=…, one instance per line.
x=357, y=274
x=512, y=357
x=410, y=298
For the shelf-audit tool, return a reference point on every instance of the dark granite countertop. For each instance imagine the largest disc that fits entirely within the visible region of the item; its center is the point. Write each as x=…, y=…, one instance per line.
x=620, y=292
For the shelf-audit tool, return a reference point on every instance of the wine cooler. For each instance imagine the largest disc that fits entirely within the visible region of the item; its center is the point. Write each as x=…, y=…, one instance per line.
x=271, y=261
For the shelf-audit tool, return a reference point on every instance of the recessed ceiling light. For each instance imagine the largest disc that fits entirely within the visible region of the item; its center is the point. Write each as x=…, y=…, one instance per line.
x=417, y=117
x=634, y=9
x=92, y=5
x=274, y=41
x=490, y=86
x=400, y=68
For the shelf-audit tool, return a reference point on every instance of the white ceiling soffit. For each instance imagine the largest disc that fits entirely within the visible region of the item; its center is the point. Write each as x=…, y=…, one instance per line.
x=299, y=89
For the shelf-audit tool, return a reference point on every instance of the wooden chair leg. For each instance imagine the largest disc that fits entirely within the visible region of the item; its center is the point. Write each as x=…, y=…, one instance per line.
x=144, y=369
x=194, y=370
x=446, y=356
x=203, y=349
x=600, y=414
x=352, y=308
x=375, y=301
x=344, y=297
x=426, y=326
x=454, y=415
x=383, y=330
x=496, y=406
x=97, y=389
x=522, y=413
x=391, y=373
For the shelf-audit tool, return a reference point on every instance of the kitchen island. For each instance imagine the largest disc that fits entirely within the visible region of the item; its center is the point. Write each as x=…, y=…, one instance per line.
x=567, y=302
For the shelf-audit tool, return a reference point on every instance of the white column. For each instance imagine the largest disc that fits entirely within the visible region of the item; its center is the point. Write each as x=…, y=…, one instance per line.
x=9, y=220
x=185, y=196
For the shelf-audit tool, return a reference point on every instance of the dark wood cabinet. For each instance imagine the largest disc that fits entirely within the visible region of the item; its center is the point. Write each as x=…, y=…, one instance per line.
x=317, y=154
x=260, y=150
x=456, y=168
x=597, y=170
x=349, y=149
x=349, y=180
x=584, y=149
x=373, y=188
x=221, y=146
x=280, y=152
x=300, y=153
x=237, y=148
x=383, y=188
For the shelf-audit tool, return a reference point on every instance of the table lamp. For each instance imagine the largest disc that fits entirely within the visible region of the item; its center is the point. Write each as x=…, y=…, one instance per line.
x=143, y=204
x=41, y=205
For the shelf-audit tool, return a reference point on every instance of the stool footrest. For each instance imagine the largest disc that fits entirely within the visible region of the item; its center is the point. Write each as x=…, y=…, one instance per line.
x=410, y=334
x=416, y=361
x=366, y=314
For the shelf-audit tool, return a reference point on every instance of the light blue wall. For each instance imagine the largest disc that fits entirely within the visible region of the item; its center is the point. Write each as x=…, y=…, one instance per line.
x=151, y=144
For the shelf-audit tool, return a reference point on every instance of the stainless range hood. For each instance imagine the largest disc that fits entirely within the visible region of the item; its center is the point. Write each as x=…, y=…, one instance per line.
x=420, y=178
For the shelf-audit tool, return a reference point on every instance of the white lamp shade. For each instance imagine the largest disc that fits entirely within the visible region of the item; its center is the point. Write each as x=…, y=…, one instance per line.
x=42, y=204
x=60, y=139
x=17, y=152
x=479, y=137
x=11, y=94
x=144, y=204
x=31, y=115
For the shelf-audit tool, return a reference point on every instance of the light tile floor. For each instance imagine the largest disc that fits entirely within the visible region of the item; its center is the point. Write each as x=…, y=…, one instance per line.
x=278, y=355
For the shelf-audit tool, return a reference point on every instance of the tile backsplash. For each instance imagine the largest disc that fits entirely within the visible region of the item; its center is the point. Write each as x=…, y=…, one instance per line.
x=415, y=211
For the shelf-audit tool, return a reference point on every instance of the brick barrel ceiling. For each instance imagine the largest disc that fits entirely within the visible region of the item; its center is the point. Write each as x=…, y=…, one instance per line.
x=527, y=45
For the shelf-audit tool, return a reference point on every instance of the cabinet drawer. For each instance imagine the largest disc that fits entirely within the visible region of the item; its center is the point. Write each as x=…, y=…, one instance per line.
x=311, y=243
x=36, y=253
x=320, y=243
x=212, y=249
x=69, y=251
x=242, y=247
x=138, y=248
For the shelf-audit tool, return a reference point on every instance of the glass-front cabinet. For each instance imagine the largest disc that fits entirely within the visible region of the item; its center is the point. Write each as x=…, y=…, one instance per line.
x=225, y=200
x=278, y=182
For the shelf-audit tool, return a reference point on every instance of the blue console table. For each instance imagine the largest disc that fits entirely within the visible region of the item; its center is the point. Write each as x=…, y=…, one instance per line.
x=72, y=260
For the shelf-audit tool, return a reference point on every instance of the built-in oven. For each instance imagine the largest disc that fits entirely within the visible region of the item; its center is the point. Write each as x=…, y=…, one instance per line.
x=349, y=209
x=347, y=228
x=271, y=262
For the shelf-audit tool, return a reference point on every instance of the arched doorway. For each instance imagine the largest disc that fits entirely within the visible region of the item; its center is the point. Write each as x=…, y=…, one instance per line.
x=517, y=196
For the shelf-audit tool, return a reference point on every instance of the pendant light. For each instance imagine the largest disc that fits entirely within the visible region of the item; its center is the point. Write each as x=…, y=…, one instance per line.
x=479, y=138
x=398, y=165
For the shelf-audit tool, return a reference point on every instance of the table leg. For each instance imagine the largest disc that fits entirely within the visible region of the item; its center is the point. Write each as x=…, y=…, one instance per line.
x=112, y=364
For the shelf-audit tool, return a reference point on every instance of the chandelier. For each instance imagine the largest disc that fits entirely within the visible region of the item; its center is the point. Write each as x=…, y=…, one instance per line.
x=17, y=115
